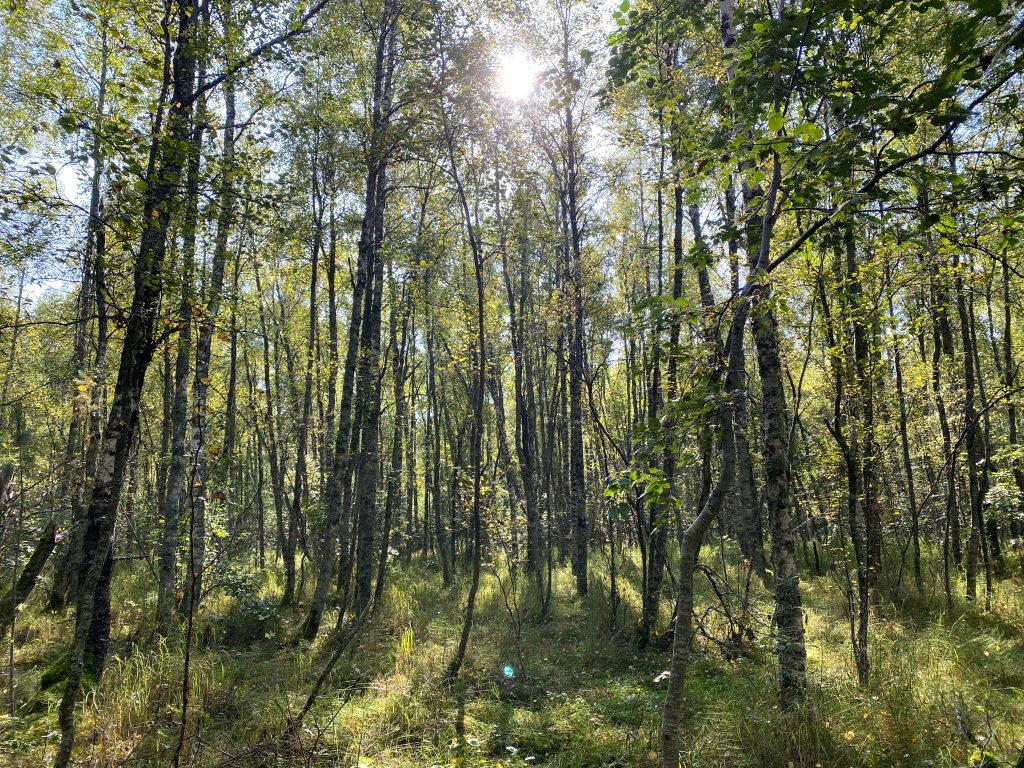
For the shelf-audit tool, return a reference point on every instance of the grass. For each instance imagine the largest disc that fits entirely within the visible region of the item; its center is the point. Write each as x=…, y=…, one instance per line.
x=947, y=687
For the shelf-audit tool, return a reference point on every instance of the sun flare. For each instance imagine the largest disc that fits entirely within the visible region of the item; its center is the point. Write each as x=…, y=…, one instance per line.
x=517, y=75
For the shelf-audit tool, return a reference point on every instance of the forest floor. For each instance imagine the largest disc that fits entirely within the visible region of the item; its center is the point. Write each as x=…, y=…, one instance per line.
x=946, y=687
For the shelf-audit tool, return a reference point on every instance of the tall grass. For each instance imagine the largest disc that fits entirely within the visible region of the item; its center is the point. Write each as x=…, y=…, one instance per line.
x=566, y=691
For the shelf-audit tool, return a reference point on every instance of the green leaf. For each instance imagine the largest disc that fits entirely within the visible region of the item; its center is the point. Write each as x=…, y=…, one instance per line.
x=775, y=122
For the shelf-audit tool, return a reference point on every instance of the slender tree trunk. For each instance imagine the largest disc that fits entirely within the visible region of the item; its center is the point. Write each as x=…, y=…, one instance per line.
x=171, y=503
x=441, y=533
x=478, y=387
x=164, y=170
x=747, y=524
x=692, y=537
x=393, y=493
x=976, y=457
x=504, y=457
x=22, y=586
x=199, y=475
x=788, y=618
x=867, y=443
x=295, y=509
x=74, y=481
x=233, y=469
x=369, y=386
x=270, y=419
x=908, y=467
x=340, y=472
x=525, y=423
x=368, y=468
x=577, y=482
x=189, y=309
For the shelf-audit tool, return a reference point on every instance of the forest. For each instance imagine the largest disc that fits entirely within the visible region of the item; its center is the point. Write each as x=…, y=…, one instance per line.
x=469, y=384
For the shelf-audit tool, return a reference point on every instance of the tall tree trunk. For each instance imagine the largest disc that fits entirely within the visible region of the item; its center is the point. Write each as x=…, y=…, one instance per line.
x=525, y=419
x=908, y=467
x=747, y=523
x=270, y=419
x=189, y=309
x=577, y=481
x=692, y=537
x=867, y=444
x=942, y=345
x=368, y=467
x=171, y=503
x=75, y=481
x=164, y=174
x=340, y=472
x=393, y=492
x=788, y=618
x=504, y=456
x=368, y=374
x=441, y=532
x=976, y=458
x=477, y=388
x=412, y=527
x=295, y=509
x=233, y=469
x=199, y=475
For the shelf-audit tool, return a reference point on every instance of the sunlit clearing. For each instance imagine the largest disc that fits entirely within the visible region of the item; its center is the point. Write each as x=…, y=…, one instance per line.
x=517, y=75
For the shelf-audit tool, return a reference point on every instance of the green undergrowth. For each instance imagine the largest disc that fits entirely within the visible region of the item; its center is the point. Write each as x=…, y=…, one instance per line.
x=567, y=689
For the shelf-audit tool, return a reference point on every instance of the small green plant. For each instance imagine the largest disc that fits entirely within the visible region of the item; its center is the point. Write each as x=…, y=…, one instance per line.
x=403, y=654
